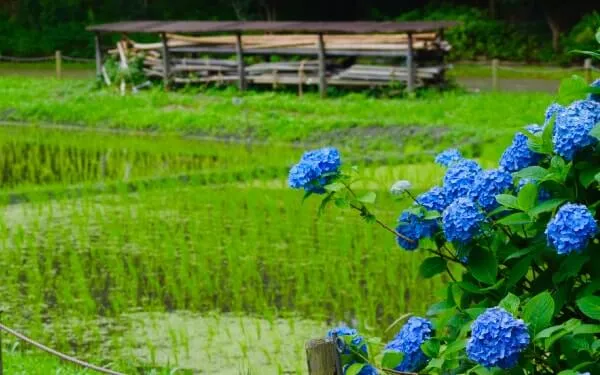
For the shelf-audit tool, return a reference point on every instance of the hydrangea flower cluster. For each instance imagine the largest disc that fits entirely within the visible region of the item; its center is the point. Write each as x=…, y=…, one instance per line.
x=497, y=339
x=315, y=169
x=341, y=331
x=460, y=178
x=366, y=370
x=461, y=220
x=434, y=199
x=572, y=126
x=413, y=227
x=518, y=155
x=595, y=97
x=446, y=158
x=400, y=187
x=571, y=229
x=489, y=184
x=553, y=109
x=408, y=341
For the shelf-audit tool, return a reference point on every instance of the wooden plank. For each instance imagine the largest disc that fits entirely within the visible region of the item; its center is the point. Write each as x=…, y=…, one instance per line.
x=322, y=357
x=290, y=51
x=239, y=51
x=322, y=67
x=98, y=54
x=165, y=60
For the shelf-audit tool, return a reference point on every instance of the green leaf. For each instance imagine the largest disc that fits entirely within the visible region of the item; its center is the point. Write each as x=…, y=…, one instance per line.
x=536, y=173
x=431, y=347
x=595, y=132
x=527, y=197
x=518, y=271
x=546, y=206
x=548, y=145
x=585, y=329
x=336, y=186
x=508, y=200
x=538, y=312
x=598, y=35
x=324, y=203
x=342, y=202
x=355, y=368
x=571, y=89
x=519, y=218
x=391, y=359
x=483, y=266
x=590, y=306
x=570, y=267
x=474, y=312
x=545, y=333
x=455, y=346
x=431, y=215
x=432, y=266
x=369, y=198
x=510, y=303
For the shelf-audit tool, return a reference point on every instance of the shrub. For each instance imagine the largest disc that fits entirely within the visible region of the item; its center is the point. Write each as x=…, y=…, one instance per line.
x=524, y=238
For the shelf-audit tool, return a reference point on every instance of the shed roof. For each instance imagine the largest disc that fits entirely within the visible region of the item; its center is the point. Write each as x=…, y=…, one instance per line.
x=289, y=26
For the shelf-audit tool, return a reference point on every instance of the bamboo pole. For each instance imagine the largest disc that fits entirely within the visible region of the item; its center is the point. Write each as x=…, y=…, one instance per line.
x=98, y=54
x=322, y=67
x=239, y=49
x=410, y=65
x=58, y=59
x=165, y=58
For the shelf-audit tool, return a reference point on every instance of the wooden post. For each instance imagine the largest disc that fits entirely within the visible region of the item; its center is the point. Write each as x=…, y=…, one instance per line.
x=98, y=54
x=587, y=67
x=322, y=357
x=58, y=58
x=410, y=65
x=322, y=67
x=165, y=58
x=239, y=50
x=495, y=64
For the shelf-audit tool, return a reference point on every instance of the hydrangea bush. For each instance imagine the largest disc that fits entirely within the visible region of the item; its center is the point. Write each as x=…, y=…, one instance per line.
x=519, y=244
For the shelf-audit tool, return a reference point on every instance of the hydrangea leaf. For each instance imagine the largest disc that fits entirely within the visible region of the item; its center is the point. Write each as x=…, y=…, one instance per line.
x=355, y=368
x=546, y=206
x=335, y=186
x=538, y=312
x=570, y=267
x=527, y=197
x=595, y=132
x=455, y=347
x=586, y=329
x=588, y=176
x=483, y=266
x=518, y=271
x=519, y=218
x=510, y=303
x=432, y=266
x=508, y=200
x=431, y=347
x=368, y=198
x=598, y=35
x=535, y=173
x=571, y=89
x=391, y=359
x=590, y=306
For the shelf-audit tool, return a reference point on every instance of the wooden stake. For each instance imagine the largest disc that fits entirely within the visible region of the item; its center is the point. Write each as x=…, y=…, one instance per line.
x=322, y=67
x=410, y=65
x=495, y=64
x=165, y=58
x=98, y=54
x=58, y=58
x=587, y=67
x=322, y=357
x=239, y=49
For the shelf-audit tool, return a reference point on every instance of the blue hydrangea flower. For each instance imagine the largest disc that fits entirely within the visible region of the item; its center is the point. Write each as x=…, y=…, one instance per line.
x=595, y=97
x=414, y=227
x=366, y=370
x=434, y=199
x=534, y=129
x=497, y=339
x=408, y=341
x=518, y=155
x=552, y=110
x=543, y=195
x=571, y=229
x=446, y=158
x=341, y=331
x=460, y=178
x=572, y=127
x=309, y=173
x=462, y=220
x=489, y=184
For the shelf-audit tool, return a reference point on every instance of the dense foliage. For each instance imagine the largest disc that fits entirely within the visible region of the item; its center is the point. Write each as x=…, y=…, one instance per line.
x=524, y=237
x=509, y=30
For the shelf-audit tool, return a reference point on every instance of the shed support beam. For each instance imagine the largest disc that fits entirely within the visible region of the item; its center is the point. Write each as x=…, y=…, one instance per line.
x=410, y=65
x=239, y=50
x=322, y=67
x=166, y=62
x=98, y=54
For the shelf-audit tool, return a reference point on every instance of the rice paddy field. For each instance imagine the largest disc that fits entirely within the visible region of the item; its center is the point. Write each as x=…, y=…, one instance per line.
x=178, y=248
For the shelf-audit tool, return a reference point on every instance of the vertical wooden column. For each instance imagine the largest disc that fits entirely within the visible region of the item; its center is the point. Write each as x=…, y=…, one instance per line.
x=58, y=61
x=587, y=69
x=322, y=357
x=166, y=62
x=410, y=65
x=495, y=64
x=98, y=54
x=322, y=67
x=239, y=50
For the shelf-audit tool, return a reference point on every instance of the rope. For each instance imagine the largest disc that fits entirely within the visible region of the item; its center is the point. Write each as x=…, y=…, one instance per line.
x=26, y=59
x=78, y=59
x=60, y=355
x=533, y=71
